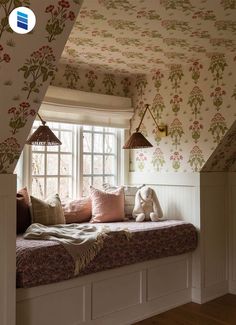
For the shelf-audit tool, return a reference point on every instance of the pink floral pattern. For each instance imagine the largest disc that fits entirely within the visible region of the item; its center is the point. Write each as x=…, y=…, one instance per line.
x=19, y=116
x=196, y=159
x=217, y=96
x=20, y=81
x=58, y=17
x=4, y=57
x=92, y=77
x=218, y=127
x=9, y=153
x=38, y=69
x=195, y=69
x=44, y=262
x=176, y=158
x=141, y=159
x=102, y=24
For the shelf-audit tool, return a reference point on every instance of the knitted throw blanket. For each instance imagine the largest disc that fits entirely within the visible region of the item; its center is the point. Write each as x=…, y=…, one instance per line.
x=83, y=242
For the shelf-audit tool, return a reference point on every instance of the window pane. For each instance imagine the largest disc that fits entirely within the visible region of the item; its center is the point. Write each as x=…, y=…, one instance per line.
x=110, y=130
x=52, y=186
x=86, y=185
x=97, y=182
x=109, y=143
x=110, y=180
x=66, y=164
x=52, y=164
x=98, y=164
x=66, y=126
x=65, y=188
x=36, y=124
x=98, y=128
x=87, y=128
x=109, y=165
x=38, y=187
x=87, y=142
x=53, y=125
x=38, y=164
x=66, y=139
x=87, y=166
x=98, y=143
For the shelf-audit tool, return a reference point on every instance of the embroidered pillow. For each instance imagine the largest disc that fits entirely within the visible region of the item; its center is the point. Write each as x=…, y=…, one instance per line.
x=107, y=207
x=78, y=210
x=130, y=192
x=48, y=212
x=23, y=216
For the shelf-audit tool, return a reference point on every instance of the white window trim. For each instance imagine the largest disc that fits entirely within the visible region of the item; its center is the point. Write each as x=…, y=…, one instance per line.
x=77, y=176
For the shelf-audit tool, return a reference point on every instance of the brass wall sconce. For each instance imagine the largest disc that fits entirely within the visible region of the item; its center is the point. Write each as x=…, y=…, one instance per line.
x=137, y=139
x=43, y=136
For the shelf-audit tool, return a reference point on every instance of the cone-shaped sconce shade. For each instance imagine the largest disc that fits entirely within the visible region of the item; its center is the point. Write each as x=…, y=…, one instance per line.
x=43, y=136
x=136, y=141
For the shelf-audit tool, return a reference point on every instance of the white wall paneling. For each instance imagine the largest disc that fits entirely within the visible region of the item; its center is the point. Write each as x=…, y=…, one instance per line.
x=7, y=248
x=179, y=196
x=202, y=200
x=118, y=296
x=214, y=235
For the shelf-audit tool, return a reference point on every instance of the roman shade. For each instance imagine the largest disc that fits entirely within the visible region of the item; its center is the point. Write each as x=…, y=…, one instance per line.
x=80, y=107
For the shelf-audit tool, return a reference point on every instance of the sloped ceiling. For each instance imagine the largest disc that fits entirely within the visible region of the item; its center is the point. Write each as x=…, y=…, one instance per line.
x=139, y=36
x=224, y=157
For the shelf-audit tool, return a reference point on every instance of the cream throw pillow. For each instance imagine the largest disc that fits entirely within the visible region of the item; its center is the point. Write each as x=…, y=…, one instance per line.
x=130, y=192
x=48, y=212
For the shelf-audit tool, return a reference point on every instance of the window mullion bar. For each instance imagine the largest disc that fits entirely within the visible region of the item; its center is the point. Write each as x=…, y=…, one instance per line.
x=59, y=162
x=103, y=156
x=92, y=156
x=45, y=172
x=80, y=158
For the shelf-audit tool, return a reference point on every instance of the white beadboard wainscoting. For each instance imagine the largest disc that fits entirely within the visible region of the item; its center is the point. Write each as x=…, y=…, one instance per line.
x=199, y=198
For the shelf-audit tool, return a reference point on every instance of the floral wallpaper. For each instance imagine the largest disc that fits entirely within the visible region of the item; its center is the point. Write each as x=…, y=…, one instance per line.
x=224, y=157
x=90, y=80
x=196, y=101
x=137, y=36
x=28, y=64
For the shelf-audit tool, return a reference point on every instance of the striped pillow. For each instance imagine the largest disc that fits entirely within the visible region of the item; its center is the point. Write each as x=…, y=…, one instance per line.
x=48, y=212
x=130, y=192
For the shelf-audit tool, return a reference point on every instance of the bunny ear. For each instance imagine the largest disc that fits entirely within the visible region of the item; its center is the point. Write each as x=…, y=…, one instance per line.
x=156, y=205
x=137, y=204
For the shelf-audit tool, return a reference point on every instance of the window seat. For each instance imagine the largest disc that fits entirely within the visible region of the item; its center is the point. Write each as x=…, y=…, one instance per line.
x=45, y=262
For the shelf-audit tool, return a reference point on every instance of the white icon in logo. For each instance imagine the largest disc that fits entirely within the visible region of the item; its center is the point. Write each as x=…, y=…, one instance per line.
x=22, y=20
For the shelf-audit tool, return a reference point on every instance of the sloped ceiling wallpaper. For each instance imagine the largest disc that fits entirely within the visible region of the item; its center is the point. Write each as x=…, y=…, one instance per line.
x=224, y=157
x=27, y=65
x=141, y=36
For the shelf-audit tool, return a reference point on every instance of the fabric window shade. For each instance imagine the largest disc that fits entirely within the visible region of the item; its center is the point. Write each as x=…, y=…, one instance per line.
x=79, y=107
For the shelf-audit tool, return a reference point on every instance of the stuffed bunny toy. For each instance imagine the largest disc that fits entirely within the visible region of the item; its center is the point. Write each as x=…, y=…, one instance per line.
x=147, y=206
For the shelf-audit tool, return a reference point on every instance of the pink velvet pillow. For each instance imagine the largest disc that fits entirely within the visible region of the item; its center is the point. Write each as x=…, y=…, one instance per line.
x=79, y=210
x=107, y=207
